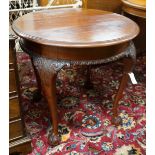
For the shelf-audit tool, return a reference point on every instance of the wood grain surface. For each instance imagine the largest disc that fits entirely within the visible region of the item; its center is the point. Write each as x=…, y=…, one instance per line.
x=75, y=28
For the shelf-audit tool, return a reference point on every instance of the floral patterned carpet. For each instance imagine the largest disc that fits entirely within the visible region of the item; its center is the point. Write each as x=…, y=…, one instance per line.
x=83, y=112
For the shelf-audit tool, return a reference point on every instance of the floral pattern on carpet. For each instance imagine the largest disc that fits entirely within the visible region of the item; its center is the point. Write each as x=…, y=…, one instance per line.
x=83, y=112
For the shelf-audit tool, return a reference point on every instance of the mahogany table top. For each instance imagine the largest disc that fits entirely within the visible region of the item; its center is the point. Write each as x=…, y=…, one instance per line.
x=75, y=28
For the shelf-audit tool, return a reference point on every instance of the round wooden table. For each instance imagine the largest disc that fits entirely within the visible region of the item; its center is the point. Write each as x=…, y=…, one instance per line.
x=136, y=10
x=56, y=38
x=135, y=7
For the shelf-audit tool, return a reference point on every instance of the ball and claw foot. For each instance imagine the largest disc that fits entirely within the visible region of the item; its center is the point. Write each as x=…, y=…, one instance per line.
x=54, y=139
x=117, y=120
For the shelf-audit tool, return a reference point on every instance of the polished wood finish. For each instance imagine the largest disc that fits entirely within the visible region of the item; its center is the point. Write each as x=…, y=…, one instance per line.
x=141, y=4
x=128, y=67
x=75, y=53
x=14, y=109
x=15, y=129
x=107, y=5
x=43, y=2
x=17, y=133
x=84, y=4
x=12, y=81
x=12, y=78
x=135, y=7
x=54, y=39
x=136, y=10
x=75, y=28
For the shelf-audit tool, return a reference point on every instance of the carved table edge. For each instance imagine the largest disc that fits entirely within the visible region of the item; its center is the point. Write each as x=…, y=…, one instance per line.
x=129, y=51
x=64, y=44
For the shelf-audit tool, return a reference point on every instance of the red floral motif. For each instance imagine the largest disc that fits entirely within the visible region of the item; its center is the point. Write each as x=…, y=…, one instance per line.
x=88, y=110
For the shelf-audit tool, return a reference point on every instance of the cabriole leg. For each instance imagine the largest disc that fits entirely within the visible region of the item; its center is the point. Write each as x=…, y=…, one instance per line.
x=48, y=70
x=129, y=63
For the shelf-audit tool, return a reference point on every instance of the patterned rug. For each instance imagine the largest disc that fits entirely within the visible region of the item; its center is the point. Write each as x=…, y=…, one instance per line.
x=84, y=112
